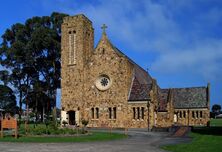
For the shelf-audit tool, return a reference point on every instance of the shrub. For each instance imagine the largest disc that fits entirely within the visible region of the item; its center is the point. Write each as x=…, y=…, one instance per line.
x=64, y=122
x=43, y=129
x=38, y=130
x=85, y=122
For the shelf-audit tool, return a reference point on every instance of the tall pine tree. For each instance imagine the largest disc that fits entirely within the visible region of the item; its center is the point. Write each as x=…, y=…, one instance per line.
x=31, y=53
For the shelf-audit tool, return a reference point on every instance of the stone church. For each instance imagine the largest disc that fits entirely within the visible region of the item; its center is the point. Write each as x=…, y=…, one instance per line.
x=104, y=86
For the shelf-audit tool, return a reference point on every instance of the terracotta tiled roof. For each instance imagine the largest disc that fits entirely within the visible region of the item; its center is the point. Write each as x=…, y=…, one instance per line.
x=195, y=97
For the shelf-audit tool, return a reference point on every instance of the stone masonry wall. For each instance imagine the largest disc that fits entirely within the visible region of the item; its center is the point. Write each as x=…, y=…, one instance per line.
x=105, y=61
x=80, y=93
x=192, y=117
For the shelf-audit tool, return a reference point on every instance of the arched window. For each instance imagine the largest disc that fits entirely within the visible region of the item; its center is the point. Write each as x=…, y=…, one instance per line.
x=142, y=112
x=92, y=113
x=138, y=113
x=114, y=113
x=97, y=113
x=193, y=115
x=180, y=114
x=201, y=114
x=72, y=47
x=134, y=113
x=110, y=113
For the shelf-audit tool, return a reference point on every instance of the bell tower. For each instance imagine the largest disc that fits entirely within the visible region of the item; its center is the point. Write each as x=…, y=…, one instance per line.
x=77, y=46
x=77, y=40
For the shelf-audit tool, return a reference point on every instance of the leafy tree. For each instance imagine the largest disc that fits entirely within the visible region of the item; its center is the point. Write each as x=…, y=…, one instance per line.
x=7, y=99
x=216, y=108
x=31, y=53
x=37, y=97
x=4, y=76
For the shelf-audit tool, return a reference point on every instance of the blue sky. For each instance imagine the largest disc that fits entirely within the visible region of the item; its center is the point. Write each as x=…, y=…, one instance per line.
x=180, y=42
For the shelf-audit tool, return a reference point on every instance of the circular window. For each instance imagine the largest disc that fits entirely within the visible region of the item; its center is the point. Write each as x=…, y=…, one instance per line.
x=103, y=82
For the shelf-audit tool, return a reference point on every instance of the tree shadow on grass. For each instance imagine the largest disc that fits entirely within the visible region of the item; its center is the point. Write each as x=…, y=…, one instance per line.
x=208, y=130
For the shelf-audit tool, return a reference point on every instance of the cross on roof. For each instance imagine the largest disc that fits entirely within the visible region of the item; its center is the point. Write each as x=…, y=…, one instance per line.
x=104, y=28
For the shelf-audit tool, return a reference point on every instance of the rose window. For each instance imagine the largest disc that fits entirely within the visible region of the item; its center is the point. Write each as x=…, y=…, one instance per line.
x=103, y=82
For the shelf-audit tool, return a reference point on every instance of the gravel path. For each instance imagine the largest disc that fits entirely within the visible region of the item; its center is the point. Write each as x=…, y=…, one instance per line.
x=137, y=142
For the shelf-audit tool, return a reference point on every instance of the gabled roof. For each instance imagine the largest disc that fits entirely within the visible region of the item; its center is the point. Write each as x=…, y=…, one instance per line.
x=142, y=81
x=141, y=84
x=139, y=92
x=195, y=97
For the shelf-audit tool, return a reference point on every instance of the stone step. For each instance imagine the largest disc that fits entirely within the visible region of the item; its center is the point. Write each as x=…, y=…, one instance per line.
x=181, y=131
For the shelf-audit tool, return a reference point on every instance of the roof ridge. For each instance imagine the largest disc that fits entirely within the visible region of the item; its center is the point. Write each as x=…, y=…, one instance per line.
x=189, y=87
x=119, y=51
x=104, y=35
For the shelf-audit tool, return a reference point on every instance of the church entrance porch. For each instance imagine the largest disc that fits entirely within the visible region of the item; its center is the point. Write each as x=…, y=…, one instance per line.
x=72, y=117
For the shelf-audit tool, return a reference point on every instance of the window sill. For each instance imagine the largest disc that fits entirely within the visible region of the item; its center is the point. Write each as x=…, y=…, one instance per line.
x=95, y=119
x=72, y=64
x=138, y=119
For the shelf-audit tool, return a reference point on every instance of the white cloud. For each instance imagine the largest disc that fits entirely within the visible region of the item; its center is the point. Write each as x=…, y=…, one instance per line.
x=179, y=32
x=201, y=60
x=143, y=25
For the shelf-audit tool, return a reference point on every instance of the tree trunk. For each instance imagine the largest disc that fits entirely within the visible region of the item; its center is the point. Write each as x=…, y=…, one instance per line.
x=20, y=104
x=43, y=113
x=36, y=109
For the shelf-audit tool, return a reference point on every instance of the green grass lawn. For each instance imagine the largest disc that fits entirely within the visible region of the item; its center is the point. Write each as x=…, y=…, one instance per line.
x=95, y=136
x=205, y=139
x=216, y=122
x=200, y=143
